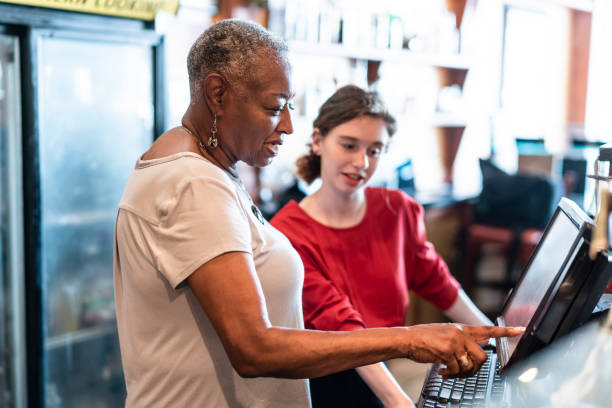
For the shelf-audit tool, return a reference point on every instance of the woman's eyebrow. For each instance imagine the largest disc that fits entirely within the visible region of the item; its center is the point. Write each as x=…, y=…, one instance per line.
x=349, y=138
x=354, y=139
x=285, y=96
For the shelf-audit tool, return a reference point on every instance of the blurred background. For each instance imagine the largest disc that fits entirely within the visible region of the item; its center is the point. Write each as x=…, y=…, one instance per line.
x=501, y=107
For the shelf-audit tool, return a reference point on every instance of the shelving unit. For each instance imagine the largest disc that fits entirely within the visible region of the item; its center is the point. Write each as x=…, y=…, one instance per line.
x=449, y=61
x=450, y=130
x=440, y=128
x=360, y=42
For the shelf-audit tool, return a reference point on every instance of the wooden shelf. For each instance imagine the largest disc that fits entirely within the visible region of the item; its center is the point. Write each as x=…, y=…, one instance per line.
x=581, y=5
x=448, y=120
x=452, y=61
x=451, y=76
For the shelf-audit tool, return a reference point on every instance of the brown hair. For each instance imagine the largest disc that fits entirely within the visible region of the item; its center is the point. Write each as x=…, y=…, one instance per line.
x=347, y=103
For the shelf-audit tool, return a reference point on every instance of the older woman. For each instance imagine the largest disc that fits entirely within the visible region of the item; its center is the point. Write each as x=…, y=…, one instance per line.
x=208, y=294
x=363, y=248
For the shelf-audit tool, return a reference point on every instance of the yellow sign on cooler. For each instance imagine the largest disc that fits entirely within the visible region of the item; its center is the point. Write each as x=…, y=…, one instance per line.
x=139, y=9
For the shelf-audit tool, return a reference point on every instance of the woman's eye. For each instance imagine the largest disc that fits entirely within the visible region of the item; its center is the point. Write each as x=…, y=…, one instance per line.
x=348, y=146
x=276, y=111
x=375, y=152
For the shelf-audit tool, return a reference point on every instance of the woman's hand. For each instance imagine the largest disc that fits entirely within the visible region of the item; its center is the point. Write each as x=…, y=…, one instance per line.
x=454, y=345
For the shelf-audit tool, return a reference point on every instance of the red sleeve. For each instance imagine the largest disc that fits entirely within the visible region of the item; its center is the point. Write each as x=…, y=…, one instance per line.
x=427, y=273
x=324, y=306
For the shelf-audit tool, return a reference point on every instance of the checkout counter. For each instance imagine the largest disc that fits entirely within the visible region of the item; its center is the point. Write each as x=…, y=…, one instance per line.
x=575, y=371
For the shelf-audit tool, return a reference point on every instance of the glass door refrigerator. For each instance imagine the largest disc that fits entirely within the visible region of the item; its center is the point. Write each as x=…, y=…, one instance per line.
x=94, y=99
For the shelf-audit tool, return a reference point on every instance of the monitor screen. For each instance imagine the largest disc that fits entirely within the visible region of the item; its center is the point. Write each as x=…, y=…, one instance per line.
x=549, y=258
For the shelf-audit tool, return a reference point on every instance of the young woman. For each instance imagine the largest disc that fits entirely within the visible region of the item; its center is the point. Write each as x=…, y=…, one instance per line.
x=363, y=248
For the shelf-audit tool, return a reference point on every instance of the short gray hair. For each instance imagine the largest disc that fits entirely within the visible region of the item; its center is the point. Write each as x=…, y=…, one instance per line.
x=231, y=48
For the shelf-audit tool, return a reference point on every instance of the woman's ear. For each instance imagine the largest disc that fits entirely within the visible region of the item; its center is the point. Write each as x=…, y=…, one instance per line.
x=317, y=138
x=215, y=89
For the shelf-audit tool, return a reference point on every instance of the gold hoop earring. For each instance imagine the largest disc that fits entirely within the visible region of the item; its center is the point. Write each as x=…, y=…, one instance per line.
x=212, y=140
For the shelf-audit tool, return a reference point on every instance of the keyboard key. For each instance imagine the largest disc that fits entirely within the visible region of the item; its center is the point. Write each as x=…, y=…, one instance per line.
x=456, y=396
x=444, y=395
x=433, y=394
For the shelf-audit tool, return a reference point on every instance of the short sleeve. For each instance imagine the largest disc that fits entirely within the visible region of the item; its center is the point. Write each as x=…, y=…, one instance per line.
x=199, y=221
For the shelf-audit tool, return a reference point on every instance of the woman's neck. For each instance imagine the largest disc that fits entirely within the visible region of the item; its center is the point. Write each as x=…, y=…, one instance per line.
x=197, y=128
x=335, y=209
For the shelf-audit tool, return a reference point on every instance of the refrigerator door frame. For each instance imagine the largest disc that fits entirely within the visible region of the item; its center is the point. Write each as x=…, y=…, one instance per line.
x=16, y=261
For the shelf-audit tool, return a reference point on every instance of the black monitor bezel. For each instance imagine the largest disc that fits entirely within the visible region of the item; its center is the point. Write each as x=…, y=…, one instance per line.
x=584, y=224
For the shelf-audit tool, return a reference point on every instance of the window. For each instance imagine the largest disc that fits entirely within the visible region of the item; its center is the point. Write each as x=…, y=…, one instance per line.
x=534, y=72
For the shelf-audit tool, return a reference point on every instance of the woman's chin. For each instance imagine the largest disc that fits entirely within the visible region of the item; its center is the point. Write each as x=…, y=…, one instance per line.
x=260, y=161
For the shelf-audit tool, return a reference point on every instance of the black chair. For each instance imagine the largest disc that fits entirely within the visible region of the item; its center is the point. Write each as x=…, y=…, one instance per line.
x=511, y=212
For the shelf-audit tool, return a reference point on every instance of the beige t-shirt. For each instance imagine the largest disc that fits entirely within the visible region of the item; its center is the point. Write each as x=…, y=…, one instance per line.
x=176, y=214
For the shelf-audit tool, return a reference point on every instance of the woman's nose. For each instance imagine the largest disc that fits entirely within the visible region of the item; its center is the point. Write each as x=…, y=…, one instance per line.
x=361, y=160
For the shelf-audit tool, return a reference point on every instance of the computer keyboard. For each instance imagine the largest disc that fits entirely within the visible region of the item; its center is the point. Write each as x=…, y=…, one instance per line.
x=476, y=391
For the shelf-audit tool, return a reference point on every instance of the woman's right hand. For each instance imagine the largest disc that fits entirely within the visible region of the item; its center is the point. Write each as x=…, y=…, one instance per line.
x=454, y=345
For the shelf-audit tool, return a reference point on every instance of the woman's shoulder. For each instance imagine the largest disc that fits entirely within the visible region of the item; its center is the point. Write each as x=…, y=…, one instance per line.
x=292, y=220
x=180, y=163
x=182, y=183
x=398, y=200
x=181, y=170
x=180, y=176
x=290, y=213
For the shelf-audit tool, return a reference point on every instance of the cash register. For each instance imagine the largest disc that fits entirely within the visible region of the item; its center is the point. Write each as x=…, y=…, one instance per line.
x=560, y=291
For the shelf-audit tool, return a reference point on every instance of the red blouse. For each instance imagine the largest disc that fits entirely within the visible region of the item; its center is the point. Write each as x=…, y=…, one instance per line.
x=359, y=277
